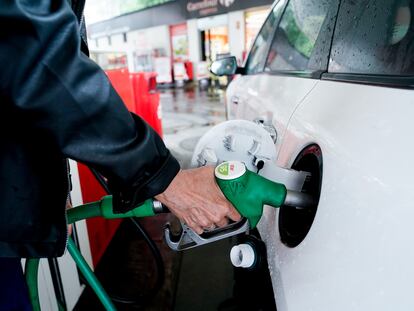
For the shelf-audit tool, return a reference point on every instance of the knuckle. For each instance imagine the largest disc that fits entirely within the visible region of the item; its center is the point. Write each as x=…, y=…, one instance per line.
x=227, y=207
x=217, y=219
x=232, y=211
x=224, y=213
x=205, y=223
x=190, y=224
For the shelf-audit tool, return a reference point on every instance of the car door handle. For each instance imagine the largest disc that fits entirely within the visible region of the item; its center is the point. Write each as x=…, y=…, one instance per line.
x=235, y=100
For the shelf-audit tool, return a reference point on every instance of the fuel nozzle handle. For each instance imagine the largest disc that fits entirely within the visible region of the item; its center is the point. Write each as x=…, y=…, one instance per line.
x=104, y=208
x=248, y=191
x=299, y=199
x=147, y=208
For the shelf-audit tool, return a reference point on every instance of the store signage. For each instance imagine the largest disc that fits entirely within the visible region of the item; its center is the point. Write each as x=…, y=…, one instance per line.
x=201, y=8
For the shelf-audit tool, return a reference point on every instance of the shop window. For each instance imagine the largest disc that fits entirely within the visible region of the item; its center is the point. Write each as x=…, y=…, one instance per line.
x=216, y=43
x=109, y=61
x=374, y=37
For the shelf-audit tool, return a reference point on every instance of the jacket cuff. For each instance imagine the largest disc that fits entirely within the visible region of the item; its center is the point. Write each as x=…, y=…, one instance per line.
x=127, y=199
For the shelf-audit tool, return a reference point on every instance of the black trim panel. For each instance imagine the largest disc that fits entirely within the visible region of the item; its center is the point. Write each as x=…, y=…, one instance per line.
x=405, y=82
x=298, y=74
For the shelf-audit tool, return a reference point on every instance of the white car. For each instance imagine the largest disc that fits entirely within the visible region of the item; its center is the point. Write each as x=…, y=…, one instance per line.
x=335, y=78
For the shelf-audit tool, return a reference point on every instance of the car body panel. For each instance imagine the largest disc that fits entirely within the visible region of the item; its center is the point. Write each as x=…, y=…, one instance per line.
x=267, y=97
x=356, y=255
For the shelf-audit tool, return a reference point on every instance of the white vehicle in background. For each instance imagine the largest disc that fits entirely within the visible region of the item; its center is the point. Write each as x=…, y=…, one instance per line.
x=335, y=78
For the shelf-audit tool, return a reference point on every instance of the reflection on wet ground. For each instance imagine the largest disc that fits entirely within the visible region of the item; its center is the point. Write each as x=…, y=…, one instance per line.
x=193, y=101
x=199, y=279
x=202, y=278
x=205, y=276
x=187, y=114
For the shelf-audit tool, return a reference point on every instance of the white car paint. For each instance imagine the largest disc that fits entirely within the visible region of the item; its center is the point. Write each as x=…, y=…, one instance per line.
x=268, y=97
x=357, y=255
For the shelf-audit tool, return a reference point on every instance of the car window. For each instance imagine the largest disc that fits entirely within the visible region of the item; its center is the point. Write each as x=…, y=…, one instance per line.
x=374, y=37
x=302, y=39
x=258, y=52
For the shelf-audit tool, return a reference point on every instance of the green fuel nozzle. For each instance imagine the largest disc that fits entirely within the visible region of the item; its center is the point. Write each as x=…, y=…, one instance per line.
x=248, y=191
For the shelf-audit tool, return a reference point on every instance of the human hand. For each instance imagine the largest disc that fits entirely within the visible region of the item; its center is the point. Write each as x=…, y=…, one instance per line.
x=194, y=197
x=68, y=206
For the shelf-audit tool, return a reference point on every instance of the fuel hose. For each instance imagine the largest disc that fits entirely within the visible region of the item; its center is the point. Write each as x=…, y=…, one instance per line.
x=159, y=263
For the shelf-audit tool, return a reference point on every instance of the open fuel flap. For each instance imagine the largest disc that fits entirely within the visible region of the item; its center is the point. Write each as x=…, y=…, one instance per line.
x=295, y=223
x=251, y=143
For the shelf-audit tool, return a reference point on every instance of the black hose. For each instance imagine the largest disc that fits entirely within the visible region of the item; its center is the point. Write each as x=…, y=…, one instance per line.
x=157, y=256
x=154, y=251
x=159, y=264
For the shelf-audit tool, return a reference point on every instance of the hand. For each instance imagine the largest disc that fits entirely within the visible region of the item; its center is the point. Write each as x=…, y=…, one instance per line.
x=68, y=206
x=194, y=197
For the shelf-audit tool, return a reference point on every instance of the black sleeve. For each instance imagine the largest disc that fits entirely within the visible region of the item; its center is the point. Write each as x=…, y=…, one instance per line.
x=62, y=92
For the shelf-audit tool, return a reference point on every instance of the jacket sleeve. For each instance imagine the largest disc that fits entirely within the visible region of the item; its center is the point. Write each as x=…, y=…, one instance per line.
x=65, y=95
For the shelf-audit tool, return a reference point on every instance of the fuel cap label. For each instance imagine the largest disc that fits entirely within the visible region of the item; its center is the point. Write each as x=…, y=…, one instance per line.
x=230, y=170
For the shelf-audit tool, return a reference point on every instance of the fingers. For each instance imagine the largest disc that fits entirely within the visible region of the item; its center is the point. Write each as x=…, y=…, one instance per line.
x=68, y=206
x=201, y=218
x=204, y=221
x=233, y=214
x=222, y=223
x=223, y=211
x=193, y=225
x=195, y=197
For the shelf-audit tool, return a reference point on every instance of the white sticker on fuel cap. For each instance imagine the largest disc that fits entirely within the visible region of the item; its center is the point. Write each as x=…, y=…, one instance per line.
x=230, y=170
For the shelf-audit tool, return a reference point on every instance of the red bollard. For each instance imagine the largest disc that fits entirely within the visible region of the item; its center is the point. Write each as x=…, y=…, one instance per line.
x=147, y=99
x=121, y=81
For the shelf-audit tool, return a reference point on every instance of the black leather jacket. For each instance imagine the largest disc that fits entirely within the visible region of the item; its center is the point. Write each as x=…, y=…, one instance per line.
x=55, y=104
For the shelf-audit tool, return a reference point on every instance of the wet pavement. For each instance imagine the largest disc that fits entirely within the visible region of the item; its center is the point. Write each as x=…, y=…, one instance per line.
x=205, y=275
x=199, y=279
x=187, y=115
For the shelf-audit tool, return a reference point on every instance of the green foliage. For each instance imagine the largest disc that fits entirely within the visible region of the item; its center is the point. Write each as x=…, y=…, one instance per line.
x=128, y=6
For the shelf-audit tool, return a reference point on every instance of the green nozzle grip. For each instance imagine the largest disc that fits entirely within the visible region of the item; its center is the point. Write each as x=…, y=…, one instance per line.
x=248, y=191
x=103, y=208
x=144, y=210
